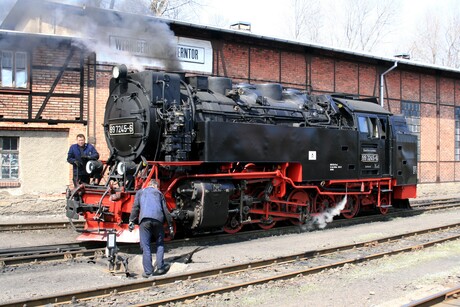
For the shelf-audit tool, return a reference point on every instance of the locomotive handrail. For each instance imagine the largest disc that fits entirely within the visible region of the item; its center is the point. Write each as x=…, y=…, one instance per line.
x=263, y=175
x=189, y=98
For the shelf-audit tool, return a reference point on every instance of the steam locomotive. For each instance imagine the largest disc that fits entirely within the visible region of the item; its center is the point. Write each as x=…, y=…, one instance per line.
x=228, y=155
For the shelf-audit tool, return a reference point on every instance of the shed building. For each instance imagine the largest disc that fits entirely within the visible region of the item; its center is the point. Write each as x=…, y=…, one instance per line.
x=56, y=62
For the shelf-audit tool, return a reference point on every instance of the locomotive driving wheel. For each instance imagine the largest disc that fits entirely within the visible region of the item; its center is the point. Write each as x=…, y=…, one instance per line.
x=269, y=223
x=384, y=205
x=301, y=197
x=322, y=203
x=233, y=224
x=351, y=208
x=266, y=206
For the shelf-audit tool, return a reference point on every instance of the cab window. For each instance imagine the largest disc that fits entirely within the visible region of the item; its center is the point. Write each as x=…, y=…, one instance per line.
x=369, y=126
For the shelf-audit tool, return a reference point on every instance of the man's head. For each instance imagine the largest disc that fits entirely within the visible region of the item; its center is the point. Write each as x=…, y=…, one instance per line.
x=153, y=183
x=80, y=139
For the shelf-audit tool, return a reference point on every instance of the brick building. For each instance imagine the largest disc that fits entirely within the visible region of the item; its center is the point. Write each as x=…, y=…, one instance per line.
x=56, y=62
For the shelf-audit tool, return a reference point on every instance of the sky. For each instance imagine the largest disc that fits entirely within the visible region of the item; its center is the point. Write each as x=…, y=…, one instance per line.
x=268, y=17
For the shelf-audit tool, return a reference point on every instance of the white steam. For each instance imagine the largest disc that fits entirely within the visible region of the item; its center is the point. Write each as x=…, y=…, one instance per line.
x=321, y=220
x=97, y=26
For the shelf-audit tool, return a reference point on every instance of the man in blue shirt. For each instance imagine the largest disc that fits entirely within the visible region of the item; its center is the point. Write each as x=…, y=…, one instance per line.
x=150, y=209
x=78, y=155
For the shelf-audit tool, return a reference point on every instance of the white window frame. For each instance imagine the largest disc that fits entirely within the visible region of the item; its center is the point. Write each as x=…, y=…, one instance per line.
x=6, y=162
x=16, y=74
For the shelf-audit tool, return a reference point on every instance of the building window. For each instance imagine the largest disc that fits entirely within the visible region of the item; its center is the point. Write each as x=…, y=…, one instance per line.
x=411, y=111
x=13, y=72
x=457, y=134
x=9, y=162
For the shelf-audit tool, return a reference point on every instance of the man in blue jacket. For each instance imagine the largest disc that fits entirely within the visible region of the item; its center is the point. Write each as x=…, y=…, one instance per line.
x=78, y=155
x=150, y=209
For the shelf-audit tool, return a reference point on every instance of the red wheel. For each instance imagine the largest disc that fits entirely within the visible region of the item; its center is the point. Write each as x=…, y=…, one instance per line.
x=351, y=207
x=300, y=197
x=267, y=226
x=233, y=225
x=266, y=206
x=384, y=205
x=269, y=223
x=322, y=202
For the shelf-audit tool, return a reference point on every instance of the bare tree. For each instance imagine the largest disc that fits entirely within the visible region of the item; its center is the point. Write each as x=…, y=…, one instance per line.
x=220, y=21
x=367, y=23
x=353, y=24
x=452, y=56
x=427, y=43
x=305, y=20
x=174, y=9
x=437, y=40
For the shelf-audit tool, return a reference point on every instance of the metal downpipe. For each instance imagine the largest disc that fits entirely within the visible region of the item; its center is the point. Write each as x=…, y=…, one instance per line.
x=381, y=81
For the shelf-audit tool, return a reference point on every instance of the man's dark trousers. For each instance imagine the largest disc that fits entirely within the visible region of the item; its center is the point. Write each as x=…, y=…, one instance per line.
x=151, y=228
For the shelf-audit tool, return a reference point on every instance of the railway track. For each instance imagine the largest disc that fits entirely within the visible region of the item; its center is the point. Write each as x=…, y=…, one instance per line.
x=66, y=251
x=445, y=298
x=428, y=205
x=4, y=227
x=234, y=277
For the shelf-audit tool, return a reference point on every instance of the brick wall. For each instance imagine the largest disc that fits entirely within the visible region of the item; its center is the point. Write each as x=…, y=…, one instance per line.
x=326, y=74
x=66, y=101
x=368, y=80
x=293, y=69
x=103, y=76
x=428, y=88
x=244, y=62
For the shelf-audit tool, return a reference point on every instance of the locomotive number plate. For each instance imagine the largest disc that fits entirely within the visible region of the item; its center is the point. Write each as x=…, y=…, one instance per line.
x=121, y=129
x=369, y=157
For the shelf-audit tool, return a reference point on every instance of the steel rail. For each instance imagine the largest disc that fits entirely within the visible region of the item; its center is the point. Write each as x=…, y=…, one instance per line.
x=37, y=226
x=21, y=255
x=168, y=280
x=294, y=274
x=436, y=298
x=39, y=253
x=4, y=227
x=22, y=251
x=51, y=256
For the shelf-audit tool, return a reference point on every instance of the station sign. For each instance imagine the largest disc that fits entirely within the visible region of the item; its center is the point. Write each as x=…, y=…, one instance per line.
x=192, y=54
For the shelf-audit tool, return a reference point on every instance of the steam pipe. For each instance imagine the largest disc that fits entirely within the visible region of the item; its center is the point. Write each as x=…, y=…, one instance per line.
x=381, y=81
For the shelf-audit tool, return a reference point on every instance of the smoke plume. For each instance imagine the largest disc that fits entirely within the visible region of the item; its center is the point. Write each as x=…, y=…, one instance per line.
x=145, y=40
x=320, y=221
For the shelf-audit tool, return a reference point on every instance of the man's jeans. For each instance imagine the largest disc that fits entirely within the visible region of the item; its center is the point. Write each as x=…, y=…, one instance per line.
x=151, y=228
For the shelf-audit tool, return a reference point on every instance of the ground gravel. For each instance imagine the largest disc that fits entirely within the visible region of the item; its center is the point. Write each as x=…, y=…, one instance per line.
x=390, y=281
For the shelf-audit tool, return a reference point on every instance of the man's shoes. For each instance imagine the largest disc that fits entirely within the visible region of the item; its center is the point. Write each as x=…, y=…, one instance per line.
x=145, y=275
x=163, y=270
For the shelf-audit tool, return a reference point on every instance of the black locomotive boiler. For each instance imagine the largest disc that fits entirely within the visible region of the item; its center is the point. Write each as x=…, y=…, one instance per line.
x=227, y=155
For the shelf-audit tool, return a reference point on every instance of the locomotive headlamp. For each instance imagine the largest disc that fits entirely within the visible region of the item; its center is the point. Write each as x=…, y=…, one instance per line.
x=94, y=168
x=126, y=168
x=120, y=71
